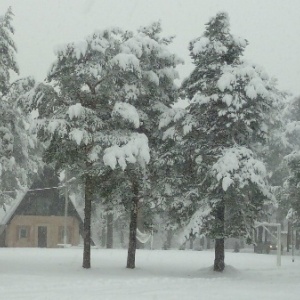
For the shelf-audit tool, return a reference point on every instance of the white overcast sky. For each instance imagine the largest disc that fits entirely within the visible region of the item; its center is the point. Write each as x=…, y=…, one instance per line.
x=272, y=28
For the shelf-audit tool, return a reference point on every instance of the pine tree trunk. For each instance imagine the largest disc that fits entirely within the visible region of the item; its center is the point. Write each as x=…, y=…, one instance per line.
x=260, y=234
x=208, y=243
x=103, y=237
x=87, y=223
x=110, y=230
x=288, y=237
x=140, y=226
x=133, y=227
x=297, y=243
x=191, y=243
x=122, y=241
x=169, y=239
x=219, y=263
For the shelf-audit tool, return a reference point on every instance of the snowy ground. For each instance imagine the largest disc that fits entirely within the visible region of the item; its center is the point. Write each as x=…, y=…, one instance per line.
x=56, y=274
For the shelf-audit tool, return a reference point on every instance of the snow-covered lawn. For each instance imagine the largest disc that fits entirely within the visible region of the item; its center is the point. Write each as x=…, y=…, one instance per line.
x=56, y=274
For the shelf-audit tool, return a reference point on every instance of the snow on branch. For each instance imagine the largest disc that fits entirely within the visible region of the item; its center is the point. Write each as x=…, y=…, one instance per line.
x=151, y=76
x=239, y=41
x=169, y=133
x=135, y=150
x=133, y=45
x=293, y=127
x=200, y=45
x=238, y=166
x=77, y=49
x=79, y=136
x=127, y=112
x=51, y=126
x=127, y=62
x=254, y=77
x=197, y=220
x=171, y=115
x=75, y=111
x=226, y=80
x=168, y=72
x=292, y=157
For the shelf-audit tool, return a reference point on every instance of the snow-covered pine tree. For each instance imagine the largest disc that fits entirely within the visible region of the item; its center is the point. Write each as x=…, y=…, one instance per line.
x=291, y=191
x=274, y=151
x=232, y=105
x=112, y=89
x=7, y=50
x=77, y=112
x=106, y=86
x=174, y=172
x=17, y=144
x=151, y=94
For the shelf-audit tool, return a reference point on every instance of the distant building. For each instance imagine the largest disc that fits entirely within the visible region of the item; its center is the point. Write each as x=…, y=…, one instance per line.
x=37, y=219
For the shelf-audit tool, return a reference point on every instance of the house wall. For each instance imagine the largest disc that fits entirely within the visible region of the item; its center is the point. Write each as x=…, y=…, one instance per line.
x=54, y=226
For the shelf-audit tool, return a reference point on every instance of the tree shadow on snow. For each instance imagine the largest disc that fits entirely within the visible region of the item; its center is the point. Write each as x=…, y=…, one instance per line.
x=209, y=272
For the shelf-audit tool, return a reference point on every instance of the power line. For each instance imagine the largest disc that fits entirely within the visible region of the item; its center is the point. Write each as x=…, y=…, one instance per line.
x=43, y=189
x=34, y=190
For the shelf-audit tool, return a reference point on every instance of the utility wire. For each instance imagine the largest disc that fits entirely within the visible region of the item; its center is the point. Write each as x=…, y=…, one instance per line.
x=34, y=190
x=42, y=189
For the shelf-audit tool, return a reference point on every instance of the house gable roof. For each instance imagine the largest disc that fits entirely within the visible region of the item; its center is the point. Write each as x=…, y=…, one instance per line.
x=43, y=198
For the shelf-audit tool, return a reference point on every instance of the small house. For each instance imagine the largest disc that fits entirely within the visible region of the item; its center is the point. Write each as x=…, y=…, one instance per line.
x=37, y=218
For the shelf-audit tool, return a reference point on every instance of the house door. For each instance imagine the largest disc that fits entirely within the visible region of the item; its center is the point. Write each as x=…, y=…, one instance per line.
x=42, y=236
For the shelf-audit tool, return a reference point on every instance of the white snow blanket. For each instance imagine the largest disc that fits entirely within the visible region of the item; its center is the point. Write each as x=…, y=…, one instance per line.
x=48, y=274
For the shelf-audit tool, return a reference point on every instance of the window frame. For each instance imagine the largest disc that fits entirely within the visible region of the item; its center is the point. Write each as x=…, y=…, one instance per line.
x=21, y=231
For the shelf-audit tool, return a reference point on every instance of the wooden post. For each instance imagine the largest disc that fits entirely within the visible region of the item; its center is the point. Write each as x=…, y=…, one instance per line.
x=293, y=243
x=278, y=245
x=66, y=210
x=109, y=229
x=288, y=237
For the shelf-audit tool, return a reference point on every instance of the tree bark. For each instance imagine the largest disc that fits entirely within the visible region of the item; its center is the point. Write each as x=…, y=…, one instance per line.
x=87, y=223
x=208, y=243
x=103, y=237
x=191, y=238
x=110, y=230
x=140, y=225
x=288, y=237
x=122, y=238
x=219, y=263
x=191, y=243
x=260, y=234
x=133, y=227
x=169, y=239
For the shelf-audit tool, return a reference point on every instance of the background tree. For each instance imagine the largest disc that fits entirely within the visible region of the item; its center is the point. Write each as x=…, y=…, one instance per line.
x=7, y=49
x=18, y=154
x=290, y=203
x=152, y=93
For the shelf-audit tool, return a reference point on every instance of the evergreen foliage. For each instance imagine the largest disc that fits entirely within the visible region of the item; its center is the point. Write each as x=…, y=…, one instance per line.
x=104, y=103
x=106, y=116
x=7, y=51
x=232, y=105
x=18, y=158
x=291, y=192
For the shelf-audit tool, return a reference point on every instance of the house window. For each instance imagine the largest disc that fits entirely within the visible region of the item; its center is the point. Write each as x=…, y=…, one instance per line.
x=23, y=232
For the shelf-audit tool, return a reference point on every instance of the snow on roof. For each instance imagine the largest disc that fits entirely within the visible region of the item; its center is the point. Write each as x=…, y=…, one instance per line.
x=5, y=216
x=10, y=209
x=79, y=208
